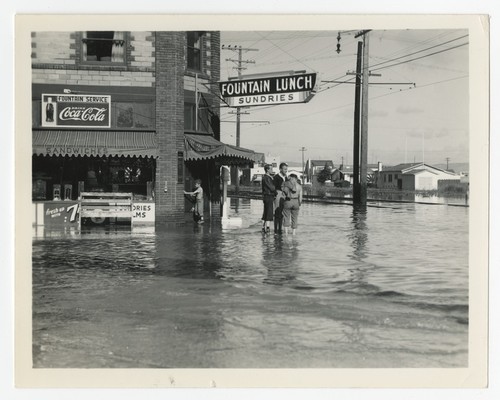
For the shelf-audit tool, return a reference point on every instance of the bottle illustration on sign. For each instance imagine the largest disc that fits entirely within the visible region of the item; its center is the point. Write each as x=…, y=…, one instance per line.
x=49, y=110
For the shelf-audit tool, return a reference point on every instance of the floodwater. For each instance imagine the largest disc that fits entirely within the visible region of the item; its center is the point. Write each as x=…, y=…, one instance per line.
x=384, y=286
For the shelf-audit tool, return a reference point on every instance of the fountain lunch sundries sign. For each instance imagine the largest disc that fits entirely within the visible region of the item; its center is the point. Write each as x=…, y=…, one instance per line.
x=76, y=111
x=285, y=89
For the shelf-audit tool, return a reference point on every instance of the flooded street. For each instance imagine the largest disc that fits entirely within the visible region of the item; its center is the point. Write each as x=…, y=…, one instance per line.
x=386, y=286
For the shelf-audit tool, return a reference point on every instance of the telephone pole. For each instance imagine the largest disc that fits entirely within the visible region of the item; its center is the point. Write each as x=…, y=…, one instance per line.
x=239, y=67
x=360, y=145
x=363, y=169
x=356, y=190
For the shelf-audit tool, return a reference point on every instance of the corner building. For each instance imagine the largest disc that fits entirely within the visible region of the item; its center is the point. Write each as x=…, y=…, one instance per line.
x=134, y=112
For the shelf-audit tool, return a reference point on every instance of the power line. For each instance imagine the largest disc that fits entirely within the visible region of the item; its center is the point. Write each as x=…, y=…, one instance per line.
x=414, y=45
x=420, y=51
x=371, y=98
x=422, y=86
x=291, y=55
x=424, y=56
x=402, y=62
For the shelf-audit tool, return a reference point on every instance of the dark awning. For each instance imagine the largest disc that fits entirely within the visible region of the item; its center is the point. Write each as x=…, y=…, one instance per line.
x=204, y=147
x=94, y=143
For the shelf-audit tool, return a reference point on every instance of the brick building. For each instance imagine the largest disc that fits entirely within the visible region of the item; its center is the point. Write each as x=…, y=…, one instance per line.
x=133, y=112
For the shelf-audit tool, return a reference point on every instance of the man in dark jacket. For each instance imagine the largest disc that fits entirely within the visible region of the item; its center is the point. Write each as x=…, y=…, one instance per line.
x=268, y=194
x=279, y=179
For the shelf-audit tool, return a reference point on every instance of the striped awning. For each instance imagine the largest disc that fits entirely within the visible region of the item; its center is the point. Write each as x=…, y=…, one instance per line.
x=204, y=147
x=94, y=143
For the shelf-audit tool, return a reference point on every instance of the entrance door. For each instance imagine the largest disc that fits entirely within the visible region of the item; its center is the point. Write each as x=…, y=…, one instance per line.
x=400, y=184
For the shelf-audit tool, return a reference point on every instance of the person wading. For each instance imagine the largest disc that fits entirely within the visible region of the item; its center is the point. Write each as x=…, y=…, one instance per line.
x=293, y=200
x=196, y=197
x=279, y=179
x=268, y=194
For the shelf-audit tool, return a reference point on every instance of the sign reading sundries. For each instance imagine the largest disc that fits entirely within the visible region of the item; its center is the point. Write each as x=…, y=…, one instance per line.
x=73, y=111
x=297, y=88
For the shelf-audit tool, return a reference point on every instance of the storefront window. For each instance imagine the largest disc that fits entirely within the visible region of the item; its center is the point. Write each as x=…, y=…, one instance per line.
x=103, y=47
x=99, y=174
x=133, y=115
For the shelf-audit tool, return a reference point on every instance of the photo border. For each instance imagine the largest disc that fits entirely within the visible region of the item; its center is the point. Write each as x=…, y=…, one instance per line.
x=475, y=375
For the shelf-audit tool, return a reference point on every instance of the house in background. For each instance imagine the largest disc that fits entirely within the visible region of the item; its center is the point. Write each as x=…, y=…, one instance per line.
x=313, y=167
x=412, y=176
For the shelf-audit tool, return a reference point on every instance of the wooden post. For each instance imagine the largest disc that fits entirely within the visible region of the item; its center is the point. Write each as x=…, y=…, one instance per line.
x=356, y=190
x=364, y=122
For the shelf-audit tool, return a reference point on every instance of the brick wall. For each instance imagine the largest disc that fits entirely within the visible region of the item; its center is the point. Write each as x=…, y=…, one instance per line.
x=170, y=66
x=142, y=50
x=215, y=75
x=56, y=59
x=53, y=48
x=90, y=77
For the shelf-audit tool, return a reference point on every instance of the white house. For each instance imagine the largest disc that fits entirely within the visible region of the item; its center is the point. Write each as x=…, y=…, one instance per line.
x=413, y=176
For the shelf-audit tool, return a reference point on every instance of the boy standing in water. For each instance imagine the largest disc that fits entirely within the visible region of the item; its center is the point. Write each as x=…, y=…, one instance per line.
x=293, y=201
x=197, y=198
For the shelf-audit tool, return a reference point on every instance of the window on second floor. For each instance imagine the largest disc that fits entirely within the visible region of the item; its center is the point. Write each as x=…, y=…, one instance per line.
x=103, y=47
x=194, y=50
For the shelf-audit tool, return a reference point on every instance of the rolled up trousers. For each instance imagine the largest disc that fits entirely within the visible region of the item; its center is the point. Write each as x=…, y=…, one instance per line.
x=291, y=212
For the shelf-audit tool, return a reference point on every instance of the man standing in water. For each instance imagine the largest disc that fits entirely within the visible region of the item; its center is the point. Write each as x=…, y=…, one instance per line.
x=279, y=179
x=268, y=193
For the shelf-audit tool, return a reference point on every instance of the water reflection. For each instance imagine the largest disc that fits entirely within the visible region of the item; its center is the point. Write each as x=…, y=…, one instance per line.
x=188, y=251
x=359, y=233
x=242, y=205
x=279, y=258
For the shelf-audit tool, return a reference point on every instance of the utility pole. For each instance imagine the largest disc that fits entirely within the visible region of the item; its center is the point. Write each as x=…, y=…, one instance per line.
x=363, y=170
x=239, y=67
x=303, y=149
x=360, y=142
x=356, y=190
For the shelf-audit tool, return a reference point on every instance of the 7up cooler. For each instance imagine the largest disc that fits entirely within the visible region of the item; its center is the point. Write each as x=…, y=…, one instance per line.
x=65, y=214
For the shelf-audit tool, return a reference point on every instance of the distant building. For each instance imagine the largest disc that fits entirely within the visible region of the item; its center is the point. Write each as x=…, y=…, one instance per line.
x=464, y=177
x=313, y=167
x=412, y=176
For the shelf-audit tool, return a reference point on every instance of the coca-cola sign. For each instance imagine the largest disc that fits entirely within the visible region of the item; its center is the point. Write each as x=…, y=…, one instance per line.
x=73, y=111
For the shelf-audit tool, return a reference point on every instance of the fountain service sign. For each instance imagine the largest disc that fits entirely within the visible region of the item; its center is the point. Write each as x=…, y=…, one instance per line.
x=286, y=89
x=75, y=111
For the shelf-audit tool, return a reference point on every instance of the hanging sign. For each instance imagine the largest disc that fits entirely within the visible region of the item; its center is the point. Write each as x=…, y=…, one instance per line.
x=76, y=111
x=286, y=89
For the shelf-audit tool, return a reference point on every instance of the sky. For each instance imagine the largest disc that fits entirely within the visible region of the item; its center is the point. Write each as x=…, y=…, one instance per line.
x=428, y=121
